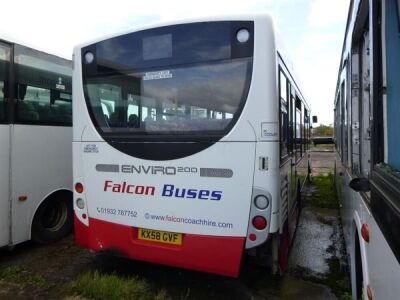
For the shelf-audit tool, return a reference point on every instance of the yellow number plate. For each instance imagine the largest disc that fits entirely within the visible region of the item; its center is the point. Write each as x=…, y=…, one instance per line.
x=160, y=236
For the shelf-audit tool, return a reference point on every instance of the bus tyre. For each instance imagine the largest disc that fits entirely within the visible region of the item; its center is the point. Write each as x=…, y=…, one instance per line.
x=53, y=219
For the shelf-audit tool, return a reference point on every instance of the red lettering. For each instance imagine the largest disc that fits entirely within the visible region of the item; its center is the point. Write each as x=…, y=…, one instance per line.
x=150, y=190
x=128, y=190
x=116, y=188
x=139, y=189
x=107, y=184
x=124, y=187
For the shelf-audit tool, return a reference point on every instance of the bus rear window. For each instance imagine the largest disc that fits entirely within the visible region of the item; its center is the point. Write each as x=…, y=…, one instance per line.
x=182, y=79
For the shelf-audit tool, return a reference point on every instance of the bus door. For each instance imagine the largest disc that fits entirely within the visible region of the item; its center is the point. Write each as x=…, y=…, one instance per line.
x=4, y=146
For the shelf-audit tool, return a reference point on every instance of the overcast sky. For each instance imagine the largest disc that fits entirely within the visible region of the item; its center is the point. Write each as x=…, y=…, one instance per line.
x=312, y=30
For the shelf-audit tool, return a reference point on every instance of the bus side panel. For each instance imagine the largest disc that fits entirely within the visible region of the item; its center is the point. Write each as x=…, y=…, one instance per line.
x=42, y=164
x=213, y=254
x=347, y=199
x=384, y=270
x=379, y=264
x=4, y=184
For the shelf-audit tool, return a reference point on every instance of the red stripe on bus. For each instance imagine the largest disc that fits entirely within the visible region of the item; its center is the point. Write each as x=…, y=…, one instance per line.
x=212, y=254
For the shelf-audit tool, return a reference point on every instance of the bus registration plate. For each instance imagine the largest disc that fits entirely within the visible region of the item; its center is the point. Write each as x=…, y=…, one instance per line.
x=160, y=236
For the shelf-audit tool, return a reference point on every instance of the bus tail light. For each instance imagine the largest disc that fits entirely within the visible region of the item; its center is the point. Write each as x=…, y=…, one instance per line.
x=259, y=222
x=79, y=188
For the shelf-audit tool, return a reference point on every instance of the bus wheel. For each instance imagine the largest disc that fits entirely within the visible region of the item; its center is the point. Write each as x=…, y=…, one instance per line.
x=53, y=219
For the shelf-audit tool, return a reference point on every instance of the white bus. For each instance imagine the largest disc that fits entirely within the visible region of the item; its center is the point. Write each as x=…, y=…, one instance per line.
x=35, y=148
x=367, y=135
x=189, y=144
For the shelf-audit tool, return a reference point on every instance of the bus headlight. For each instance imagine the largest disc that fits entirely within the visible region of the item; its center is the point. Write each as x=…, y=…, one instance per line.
x=80, y=203
x=261, y=202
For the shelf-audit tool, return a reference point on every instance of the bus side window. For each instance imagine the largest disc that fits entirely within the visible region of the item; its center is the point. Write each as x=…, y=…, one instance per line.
x=4, y=68
x=29, y=100
x=43, y=106
x=284, y=120
x=43, y=96
x=297, y=127
x=2, y=102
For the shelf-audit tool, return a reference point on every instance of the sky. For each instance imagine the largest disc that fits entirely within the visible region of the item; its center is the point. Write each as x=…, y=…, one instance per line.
x=312, y=30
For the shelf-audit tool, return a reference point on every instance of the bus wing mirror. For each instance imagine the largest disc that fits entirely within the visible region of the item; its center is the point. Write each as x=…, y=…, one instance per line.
x=360, y=184
x=314, y=119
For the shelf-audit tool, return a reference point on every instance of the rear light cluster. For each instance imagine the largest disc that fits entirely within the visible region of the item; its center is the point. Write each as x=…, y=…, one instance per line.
x=80, y=203
x=260, y=212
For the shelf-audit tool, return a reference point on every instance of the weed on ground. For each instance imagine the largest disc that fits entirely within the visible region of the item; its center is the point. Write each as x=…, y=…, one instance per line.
x=323, y=192
x=22, y=277
x=113, y=287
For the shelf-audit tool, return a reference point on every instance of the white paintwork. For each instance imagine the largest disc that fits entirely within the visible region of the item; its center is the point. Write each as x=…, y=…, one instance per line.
x=380, y=267
x=4, y=184
x=229, y=209
x=41, y=165
x=383, y=268
x=239, y=151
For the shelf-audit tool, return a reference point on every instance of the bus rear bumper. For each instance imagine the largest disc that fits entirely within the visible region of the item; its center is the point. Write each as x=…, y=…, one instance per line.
x=211, y=254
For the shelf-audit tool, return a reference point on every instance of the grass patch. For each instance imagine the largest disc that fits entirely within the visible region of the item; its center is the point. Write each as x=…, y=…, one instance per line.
x=337, y=280
x=325, y=194
x=323, y=147
x=23, y=277
x=113, y=287
x=346, y=296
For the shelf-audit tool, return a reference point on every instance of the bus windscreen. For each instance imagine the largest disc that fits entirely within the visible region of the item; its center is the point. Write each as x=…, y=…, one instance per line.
x=174, y=80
